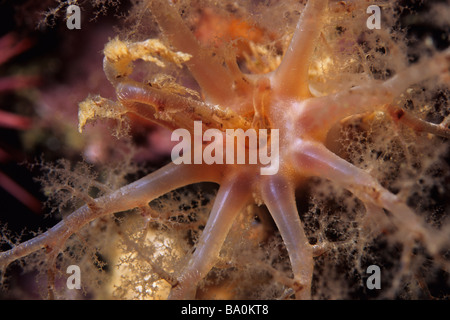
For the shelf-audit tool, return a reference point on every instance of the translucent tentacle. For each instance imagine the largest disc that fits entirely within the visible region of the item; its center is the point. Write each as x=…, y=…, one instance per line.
x=136, y=194
x=214, y=79
x=174, y=111
x=402, y=116
x=291, y=77
x=231, y=198
x=423, y=70
x=278, y=195
x=313, y=118
x=313, y=159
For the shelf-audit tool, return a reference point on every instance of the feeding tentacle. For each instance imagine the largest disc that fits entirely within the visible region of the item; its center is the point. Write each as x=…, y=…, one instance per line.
x=214, y=79
x=136, y=194
x=232, y=196
x=174, y=111
x=313, y=118
x=314, y=159
x=291, y=77
x=417, y=124
x=278, y=196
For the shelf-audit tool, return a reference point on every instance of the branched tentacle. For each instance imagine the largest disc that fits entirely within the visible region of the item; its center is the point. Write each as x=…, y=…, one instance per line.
x=314, y=159
x=317, y=120
x=174, y=111
x=136, y=194
x=119, y=57
x=232, y=196
x=438, y=65
x=215, y=80
x=291, y=77
x=402, y=116
x=278, y=196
